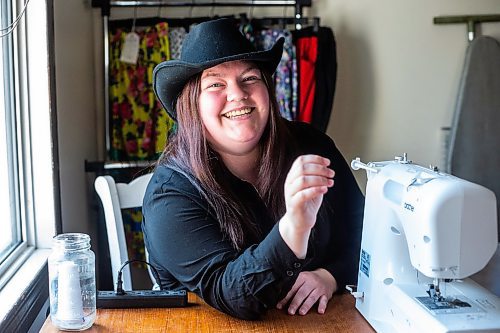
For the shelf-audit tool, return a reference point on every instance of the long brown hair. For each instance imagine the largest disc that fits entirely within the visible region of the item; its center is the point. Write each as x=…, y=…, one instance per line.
x=189, y=151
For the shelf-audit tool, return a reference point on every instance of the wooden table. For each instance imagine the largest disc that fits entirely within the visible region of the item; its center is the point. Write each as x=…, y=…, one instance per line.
x=341, y=316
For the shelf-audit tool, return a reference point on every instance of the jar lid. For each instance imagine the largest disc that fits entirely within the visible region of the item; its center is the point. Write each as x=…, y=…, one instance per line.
x=71, y=241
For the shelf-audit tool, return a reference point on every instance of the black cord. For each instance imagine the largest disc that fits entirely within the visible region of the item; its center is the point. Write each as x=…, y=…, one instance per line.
x=119, y=282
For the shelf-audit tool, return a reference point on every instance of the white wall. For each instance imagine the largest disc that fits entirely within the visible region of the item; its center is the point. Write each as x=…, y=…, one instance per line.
x=74, y=43
x=398, y=74
x=397, y=81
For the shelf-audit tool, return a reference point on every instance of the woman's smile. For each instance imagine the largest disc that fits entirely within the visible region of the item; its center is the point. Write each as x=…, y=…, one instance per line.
x=234, y=107
x=237, y=114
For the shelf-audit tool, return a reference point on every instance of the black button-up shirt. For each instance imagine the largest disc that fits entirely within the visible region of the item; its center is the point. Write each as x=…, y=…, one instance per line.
x=188, y=249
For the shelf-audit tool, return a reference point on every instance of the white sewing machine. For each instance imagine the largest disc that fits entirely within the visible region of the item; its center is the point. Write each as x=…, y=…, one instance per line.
x=424, y=233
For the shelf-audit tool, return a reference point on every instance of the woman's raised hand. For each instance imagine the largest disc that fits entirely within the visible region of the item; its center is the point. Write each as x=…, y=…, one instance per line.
x=307, y=181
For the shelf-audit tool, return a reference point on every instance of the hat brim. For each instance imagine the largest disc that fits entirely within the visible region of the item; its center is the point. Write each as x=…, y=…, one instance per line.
x=169, y=77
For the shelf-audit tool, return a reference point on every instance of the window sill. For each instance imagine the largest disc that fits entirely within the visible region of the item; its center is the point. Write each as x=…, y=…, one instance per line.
x=25, y=292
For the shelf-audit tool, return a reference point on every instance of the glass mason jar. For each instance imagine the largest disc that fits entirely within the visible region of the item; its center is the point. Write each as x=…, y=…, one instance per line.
x=72, y=282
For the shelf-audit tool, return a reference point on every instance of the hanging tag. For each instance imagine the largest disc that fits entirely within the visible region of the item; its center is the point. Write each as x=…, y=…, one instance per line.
x=130, y=50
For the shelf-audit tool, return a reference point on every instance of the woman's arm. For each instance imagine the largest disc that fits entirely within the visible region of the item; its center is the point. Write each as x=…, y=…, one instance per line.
x=346, y=210
x=307, y=181
x=185, y=243
x=340, y=222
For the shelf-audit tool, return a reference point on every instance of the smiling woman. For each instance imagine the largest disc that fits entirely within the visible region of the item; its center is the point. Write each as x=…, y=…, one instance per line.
x=234, y=107
x=242, y=207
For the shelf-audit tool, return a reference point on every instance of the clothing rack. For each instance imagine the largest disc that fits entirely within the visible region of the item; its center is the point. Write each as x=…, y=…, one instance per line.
x=470, y=20
x=107, y=5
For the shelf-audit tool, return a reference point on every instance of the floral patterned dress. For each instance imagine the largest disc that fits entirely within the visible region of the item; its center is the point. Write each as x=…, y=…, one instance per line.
x=139, y=125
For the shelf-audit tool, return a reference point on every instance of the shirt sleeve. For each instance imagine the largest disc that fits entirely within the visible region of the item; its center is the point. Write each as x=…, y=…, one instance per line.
x=185, y=242
x=347, y=204
x=340, y=219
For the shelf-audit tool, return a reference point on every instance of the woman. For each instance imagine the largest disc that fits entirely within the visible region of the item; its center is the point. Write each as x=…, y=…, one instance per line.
x=241, y=208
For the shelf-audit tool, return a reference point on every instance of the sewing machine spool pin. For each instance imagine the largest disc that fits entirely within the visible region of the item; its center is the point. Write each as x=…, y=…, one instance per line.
x=357, y=164
x=403, y=159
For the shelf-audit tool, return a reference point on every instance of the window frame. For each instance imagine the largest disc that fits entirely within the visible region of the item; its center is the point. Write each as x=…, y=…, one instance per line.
x=13, y=66
x=24, y=280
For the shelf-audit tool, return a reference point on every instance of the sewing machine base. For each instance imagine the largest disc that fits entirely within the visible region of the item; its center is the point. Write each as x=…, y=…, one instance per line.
x=408, y=308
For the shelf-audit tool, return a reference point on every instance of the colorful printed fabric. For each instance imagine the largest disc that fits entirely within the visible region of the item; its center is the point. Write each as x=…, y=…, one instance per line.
x=285, y=77
x=176, y=36
x=247, y=31
x=132, y=218
x=139, y=125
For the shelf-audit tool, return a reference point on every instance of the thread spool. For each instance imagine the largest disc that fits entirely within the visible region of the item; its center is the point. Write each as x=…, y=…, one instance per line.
x=70, y=306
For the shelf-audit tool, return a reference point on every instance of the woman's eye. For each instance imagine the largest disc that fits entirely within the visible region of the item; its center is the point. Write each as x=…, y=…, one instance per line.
x=214, y=85
x=251, y=78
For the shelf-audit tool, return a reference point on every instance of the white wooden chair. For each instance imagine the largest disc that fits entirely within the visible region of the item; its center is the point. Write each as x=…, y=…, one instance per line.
x=114, y=198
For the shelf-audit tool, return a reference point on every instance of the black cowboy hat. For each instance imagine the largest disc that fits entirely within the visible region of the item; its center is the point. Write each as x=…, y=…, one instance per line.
x=208, y=44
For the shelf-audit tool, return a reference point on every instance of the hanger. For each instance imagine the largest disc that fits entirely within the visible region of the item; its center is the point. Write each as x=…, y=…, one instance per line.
x=158, y=13
x=250, y=12
x=134, y=19
x=283, y=21
x=193, y=2
x=212, y=9
x=316, y=24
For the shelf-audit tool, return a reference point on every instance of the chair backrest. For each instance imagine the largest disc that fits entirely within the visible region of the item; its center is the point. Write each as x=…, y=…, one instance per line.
x=114, y=198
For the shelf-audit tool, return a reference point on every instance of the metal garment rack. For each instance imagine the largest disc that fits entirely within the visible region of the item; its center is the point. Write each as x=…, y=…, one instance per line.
x=470, y=20
x=107, y=5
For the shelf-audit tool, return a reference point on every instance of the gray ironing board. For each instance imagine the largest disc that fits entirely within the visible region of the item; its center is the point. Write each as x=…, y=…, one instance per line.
x=474, y=152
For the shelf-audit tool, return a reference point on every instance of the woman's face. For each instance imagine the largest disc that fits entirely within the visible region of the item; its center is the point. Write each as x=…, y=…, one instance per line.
x=233, y=106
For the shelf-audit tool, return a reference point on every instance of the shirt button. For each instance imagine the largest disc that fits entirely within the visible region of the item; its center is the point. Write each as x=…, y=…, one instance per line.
x=296, y=264
x=289, y=273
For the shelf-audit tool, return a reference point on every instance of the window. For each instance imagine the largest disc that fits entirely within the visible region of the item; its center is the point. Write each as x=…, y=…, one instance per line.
x=11, y=240
x=28, y=160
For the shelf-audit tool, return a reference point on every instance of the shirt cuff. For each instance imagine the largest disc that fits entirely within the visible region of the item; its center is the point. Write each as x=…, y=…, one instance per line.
x=284, y=262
